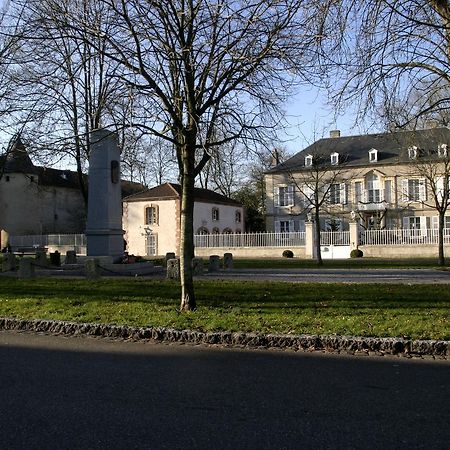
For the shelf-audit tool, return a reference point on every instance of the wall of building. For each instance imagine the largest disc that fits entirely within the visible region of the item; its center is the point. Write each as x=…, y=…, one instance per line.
x=29, y=208
x=166, y=230
x=203, y=217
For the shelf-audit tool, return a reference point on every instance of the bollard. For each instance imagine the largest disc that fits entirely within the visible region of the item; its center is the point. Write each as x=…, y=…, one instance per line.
x=173, y=269
x=26, y=268
x=228, y=261
x=169, y=255
x=55, y=258
x=197, y=266
x=9, y=262
x=71, y=257
x=92, y=269
x=214, y=263
x=41, y=258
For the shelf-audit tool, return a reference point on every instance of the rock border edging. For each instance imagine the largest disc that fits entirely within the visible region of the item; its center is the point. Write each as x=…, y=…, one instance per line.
x=302, y=342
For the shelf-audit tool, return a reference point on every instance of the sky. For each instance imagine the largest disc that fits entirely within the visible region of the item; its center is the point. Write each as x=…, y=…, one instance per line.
x=310, y=118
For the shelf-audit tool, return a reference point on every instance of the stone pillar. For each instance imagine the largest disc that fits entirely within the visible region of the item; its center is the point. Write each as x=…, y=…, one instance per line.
x=173, y=269
x=71, y=257
x=214, y=263
x=310, y=244
x=354, y=235
x=197, y=266
x=92, y=269
x=26, y=268
x=9, y=262
x=104, y=232
x=228, y=261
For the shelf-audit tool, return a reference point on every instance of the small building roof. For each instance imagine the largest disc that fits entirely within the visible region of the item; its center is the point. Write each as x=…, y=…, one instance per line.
x=392, y=148
x=171, y=191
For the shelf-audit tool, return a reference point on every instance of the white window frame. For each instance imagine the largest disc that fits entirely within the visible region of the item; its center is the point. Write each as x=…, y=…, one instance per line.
x=442, y=150
x=409, y=192
x=151, y=215
x=373, y=155
x=284, y=195
x=215, y=215
x=412, y=152
x=335, y=194
x=334, y=159
x=308, y=161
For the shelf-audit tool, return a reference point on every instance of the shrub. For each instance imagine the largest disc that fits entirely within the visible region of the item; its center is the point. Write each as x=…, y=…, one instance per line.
x=288, y=254
x=356, y=253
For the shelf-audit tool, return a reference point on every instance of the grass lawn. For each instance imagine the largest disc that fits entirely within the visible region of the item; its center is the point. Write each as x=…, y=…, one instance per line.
x=417, y=311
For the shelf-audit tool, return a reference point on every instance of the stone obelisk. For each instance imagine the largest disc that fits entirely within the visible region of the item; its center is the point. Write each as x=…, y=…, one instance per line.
x=104, y=233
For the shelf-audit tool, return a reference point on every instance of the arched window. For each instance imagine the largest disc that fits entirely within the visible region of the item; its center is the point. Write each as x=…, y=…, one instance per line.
x=227, y=231
x=203, y=230
x=151, y=215
x=215, y=230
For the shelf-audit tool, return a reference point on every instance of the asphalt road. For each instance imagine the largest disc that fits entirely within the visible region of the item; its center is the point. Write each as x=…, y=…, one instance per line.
x=405, y=276
x=86, y=393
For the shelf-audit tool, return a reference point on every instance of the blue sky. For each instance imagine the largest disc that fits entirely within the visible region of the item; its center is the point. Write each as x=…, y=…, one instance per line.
x=310, y=118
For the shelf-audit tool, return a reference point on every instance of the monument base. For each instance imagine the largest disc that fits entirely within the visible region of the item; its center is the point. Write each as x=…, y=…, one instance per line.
x=105, y=243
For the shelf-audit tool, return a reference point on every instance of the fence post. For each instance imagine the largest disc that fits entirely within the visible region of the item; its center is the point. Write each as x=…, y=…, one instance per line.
x=309, y=240
x=354, y=235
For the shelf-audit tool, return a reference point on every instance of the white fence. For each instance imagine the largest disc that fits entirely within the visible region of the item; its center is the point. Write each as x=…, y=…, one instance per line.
x=291, y=239
x=76, y=242
x=335, y=238
x=402, y=237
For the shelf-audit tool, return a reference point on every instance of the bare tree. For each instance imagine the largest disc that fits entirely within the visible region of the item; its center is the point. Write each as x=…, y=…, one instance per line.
x=200, y=65
x=430, y=184
x=322, y=186
x=386, y=54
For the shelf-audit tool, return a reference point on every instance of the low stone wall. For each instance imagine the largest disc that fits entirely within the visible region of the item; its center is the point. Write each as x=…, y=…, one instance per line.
x=401, y=251
x=337, y=344
x=250, y=252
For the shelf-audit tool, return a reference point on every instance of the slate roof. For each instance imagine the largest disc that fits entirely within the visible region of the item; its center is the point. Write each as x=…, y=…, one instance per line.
x=170, y=191
x=392, y=148
x=17, y=160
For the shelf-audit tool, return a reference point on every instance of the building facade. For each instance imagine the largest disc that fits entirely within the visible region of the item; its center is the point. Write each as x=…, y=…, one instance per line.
x=151, y=219
x=383, y=181
x=37, y=200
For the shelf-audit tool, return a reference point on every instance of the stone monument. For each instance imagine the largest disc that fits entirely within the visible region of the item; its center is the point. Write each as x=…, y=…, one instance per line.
x=104, y=234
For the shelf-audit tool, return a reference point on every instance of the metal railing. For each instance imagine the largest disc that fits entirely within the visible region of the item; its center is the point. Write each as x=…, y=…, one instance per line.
x=55, y=241
x=403, y=237
x=335, y=238
x=290, y=239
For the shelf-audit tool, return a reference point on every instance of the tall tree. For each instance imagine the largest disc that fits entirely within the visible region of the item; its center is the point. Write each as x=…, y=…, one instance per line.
x=204, y=64
x=382, y=53
x=321, y=185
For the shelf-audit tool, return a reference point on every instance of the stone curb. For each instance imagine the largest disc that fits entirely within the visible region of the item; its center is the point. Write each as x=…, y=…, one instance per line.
x=302, y=342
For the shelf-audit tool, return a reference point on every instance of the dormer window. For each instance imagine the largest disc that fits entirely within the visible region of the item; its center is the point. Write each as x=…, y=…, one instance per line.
x=442, y=150
x=334, y=159
x=308, y=160
x=373, y=155
x=412, y=152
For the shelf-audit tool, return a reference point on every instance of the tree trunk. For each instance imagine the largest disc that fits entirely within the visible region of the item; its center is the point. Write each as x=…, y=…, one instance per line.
x=187, y=234
x=441, y=257
x=317, y=237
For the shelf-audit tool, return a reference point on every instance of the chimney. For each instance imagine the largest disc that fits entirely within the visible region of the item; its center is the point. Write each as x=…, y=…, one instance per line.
x=335, y=133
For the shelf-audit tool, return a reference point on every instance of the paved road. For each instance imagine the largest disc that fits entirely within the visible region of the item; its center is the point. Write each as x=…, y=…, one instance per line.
x=406, y=276
x=86, y=393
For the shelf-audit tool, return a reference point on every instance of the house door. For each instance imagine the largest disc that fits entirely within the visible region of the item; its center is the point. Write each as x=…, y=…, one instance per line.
x=151, y=245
